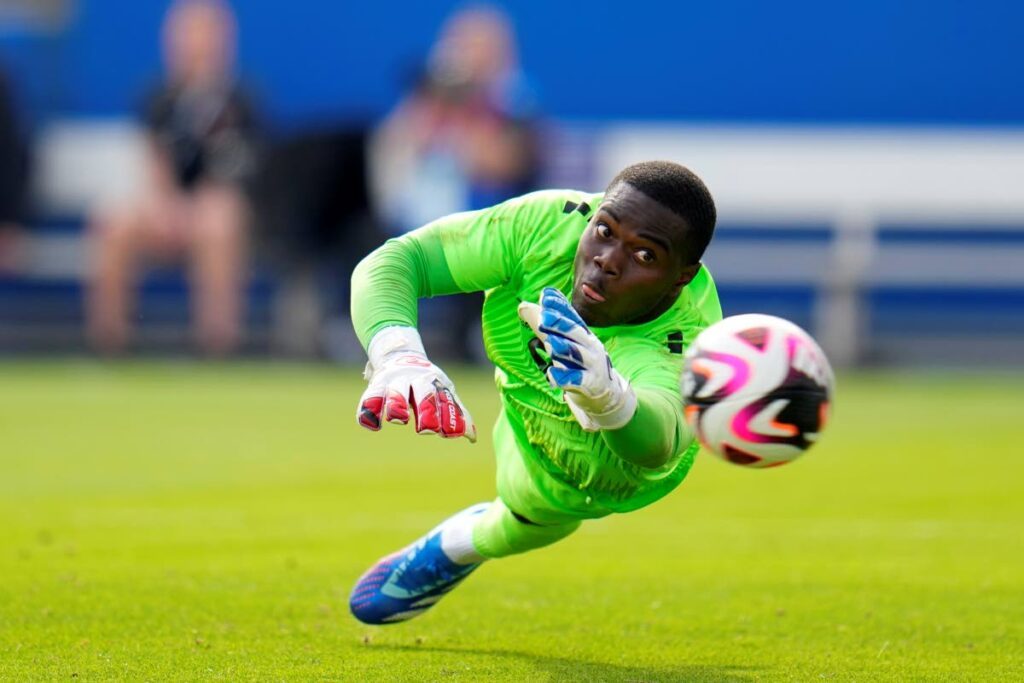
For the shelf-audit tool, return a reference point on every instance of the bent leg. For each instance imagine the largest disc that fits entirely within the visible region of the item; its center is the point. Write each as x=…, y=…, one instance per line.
x=112, y=238
x=218, y=261
x=119, y=238
x=529, y=512
x=499, y=532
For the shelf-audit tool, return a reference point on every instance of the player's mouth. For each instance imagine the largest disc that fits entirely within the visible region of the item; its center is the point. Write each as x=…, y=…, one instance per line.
x=591, y=294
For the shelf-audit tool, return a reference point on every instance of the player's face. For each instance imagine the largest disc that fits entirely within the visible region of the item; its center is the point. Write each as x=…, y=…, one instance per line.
x=630, y=266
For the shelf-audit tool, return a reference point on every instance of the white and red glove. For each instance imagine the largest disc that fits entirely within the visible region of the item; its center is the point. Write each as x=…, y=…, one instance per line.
x=598, y=396
x=403, y=381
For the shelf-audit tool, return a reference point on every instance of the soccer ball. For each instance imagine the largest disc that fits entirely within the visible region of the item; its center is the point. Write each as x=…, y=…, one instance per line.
x=757, y=390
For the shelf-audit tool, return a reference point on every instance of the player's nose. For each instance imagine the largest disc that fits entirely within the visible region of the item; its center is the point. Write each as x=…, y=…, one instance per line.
x=608, y=262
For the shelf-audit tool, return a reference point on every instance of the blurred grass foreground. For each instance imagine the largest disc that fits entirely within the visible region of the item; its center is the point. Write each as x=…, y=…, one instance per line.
x=205, y=522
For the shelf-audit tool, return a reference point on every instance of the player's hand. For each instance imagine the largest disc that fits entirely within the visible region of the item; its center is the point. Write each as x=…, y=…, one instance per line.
x=403, y=381
x=598, y=396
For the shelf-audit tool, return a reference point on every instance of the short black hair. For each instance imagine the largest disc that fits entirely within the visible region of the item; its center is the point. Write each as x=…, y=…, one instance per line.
x=678, y=189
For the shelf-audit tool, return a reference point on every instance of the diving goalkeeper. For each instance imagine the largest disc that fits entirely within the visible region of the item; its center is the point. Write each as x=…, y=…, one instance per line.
x=591, y=300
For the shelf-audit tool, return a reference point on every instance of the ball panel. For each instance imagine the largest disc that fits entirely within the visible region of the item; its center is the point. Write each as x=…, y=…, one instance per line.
x=738, y=457
x=755, y=336
x=757, y=390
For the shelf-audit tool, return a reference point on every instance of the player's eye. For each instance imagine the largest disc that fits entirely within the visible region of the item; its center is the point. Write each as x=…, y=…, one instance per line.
x=644, y=256
x=603, y=230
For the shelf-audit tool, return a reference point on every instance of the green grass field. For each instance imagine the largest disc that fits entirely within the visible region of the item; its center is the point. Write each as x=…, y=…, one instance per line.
x=205, y=522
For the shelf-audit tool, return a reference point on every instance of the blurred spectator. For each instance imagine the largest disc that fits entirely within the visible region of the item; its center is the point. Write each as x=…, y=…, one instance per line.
x=13, y=176
x=463, y=139
x=202, y=149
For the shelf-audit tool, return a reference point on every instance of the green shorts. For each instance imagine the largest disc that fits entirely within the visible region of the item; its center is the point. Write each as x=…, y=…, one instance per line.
x=531, y=492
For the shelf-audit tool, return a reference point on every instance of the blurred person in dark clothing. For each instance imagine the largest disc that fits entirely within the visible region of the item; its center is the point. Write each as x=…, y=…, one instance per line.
x=313, y=223
x=13, y=180
x=464, y=139
x=202, y=147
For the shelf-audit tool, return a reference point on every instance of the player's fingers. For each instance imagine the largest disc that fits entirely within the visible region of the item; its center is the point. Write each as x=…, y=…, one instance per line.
x=470, y=432
x=563, y=377
x=530, y=314
x=554, y=301
x=371, y=404
x=558, y=317
x=424, y=406
x=396, y=406
x=470, y=425
x=553, y=323
x=566, y=352
x=438, y=410
x=453, y=418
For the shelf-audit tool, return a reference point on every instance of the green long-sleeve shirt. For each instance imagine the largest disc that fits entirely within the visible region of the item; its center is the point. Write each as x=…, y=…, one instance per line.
x=512, y=251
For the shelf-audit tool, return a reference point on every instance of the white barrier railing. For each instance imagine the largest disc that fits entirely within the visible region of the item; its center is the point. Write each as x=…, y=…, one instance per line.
x=854, y=181
x=851, y=181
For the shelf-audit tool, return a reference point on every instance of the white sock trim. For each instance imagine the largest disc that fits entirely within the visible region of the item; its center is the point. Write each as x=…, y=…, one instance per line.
x=457, y=536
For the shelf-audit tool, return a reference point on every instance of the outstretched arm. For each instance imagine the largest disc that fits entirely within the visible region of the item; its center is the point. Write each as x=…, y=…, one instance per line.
x=655, y=434
x=463, y=252
x=387, y=284
x=459, y=253
x=641, y=421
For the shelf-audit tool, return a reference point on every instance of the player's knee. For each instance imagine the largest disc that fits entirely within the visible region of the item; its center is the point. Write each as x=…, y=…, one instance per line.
x=220, y=212
x=523, y=519
x=216, y=230
x=116, y=225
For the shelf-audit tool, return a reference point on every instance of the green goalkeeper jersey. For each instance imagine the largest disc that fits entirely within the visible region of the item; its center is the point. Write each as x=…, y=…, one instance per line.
x=512, y=251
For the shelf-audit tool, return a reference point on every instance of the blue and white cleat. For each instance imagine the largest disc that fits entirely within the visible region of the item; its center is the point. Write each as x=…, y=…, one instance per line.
x=406, y=584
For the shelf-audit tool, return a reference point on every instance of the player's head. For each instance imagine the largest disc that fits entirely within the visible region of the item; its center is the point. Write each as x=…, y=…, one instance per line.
x=477, y=45
x=643, y=244
x=199, y=41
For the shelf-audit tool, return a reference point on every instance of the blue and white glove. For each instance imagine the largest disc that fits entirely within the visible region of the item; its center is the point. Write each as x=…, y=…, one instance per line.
x=598, y=396
x=403, y=381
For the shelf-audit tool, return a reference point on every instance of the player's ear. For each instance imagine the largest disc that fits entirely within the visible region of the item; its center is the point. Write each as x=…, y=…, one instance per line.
x=688, y=273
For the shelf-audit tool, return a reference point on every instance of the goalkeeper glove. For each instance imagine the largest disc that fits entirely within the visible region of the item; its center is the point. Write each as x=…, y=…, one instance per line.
x=403, y=380
x=598, y=396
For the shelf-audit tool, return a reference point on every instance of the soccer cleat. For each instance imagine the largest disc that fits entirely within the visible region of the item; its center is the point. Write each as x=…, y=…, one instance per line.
x=407, y=583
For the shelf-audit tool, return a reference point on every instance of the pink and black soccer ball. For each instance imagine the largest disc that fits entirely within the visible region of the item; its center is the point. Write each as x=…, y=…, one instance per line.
x=757, y=390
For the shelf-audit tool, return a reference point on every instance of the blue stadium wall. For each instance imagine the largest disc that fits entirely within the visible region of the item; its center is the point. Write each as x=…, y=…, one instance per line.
x=884, y=62
x=873, y=61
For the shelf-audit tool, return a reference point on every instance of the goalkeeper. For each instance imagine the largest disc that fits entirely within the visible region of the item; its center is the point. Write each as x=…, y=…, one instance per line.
x=591, y=299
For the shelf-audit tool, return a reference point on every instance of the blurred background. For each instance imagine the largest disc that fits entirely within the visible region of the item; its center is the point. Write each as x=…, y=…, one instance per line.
x=200, y=178
x=187, y=180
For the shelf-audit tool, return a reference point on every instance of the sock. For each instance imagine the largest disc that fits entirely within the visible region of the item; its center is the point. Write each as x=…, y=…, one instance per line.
x=497, y=533
x=457, y=535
